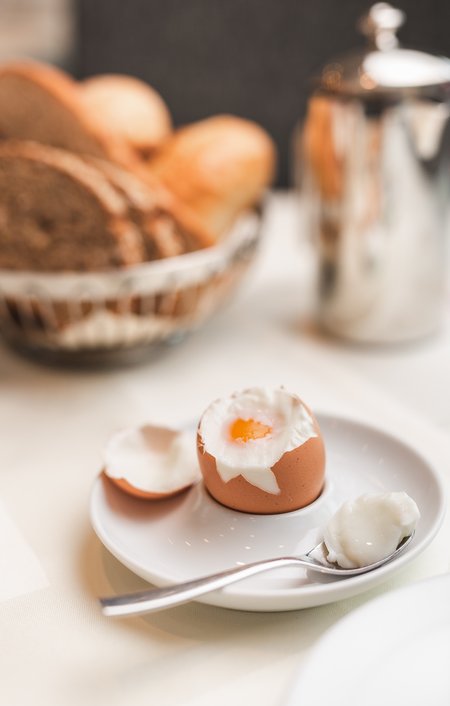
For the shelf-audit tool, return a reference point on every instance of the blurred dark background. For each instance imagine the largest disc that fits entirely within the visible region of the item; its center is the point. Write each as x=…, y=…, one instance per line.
x=253, y=58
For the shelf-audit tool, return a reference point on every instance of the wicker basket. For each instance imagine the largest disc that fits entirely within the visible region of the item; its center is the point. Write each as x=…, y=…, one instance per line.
x=118, y=315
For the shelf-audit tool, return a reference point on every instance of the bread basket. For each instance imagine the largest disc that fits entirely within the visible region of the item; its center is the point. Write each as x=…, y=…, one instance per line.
x=123, y=314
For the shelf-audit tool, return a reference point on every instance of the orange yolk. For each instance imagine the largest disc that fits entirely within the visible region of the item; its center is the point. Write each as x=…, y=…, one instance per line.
x=246, y=429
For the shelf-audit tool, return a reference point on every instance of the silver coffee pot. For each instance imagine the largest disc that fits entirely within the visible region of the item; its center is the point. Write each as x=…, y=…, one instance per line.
x=374, y=156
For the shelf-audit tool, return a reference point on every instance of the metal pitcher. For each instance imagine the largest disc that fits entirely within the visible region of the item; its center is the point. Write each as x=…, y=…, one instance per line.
x=375, y=174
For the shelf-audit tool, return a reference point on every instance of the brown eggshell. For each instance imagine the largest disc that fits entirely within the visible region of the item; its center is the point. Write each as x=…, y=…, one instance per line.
x=126, y=487
x=300, y=476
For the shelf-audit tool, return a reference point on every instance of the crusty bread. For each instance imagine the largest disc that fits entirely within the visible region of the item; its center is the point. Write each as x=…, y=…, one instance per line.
x=219, y=167
x=41, y=103
x=129, y=107
x=69, y=140
x=58, y=213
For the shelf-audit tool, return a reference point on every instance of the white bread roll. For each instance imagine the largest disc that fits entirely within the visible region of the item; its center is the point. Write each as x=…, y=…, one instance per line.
x=219, y=167
x=129, y=107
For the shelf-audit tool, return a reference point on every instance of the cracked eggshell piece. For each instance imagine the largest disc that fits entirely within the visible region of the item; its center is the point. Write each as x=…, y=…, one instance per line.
x=151, y=462
x=278, y=471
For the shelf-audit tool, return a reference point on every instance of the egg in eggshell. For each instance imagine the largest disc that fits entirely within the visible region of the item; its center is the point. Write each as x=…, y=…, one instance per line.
x=151, y=462
x=261, y=451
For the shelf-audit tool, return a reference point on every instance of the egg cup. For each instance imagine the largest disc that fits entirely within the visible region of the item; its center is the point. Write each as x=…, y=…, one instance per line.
x=295, y=493
x=295, y=475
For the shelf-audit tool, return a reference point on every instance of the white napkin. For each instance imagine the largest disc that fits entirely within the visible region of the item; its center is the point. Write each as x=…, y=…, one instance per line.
x=20, y=570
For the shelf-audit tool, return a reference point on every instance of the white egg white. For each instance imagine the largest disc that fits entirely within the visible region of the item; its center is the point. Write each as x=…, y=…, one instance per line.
x=152, y=459
x=290, y=421
x=369, y=528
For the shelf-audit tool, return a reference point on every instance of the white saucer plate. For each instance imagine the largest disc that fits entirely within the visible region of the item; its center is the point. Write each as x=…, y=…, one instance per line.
x=192, y=535
x=393, y=650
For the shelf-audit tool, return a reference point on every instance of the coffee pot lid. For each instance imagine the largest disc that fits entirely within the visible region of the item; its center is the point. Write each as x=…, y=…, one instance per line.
x=384, y=67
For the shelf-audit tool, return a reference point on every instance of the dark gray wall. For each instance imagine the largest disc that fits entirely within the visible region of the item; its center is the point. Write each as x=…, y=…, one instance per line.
x=248, y=57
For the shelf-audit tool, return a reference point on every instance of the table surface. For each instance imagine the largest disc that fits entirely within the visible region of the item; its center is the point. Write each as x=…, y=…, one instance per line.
x=56, y=647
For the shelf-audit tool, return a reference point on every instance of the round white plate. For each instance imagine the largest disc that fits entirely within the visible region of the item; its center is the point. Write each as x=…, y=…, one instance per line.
x=192, y=535
x=393, y=650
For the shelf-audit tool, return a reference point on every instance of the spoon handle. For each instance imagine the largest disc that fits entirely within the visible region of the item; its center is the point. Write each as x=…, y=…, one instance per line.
x=154, y=599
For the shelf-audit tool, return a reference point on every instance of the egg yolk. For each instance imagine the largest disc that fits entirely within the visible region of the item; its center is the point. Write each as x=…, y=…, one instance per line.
x=248, y=429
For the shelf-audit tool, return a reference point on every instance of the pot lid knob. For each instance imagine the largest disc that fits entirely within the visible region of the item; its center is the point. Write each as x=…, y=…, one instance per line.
x=380, y=25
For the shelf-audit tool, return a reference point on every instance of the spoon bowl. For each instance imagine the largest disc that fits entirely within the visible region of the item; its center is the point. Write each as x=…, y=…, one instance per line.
x=156, y=599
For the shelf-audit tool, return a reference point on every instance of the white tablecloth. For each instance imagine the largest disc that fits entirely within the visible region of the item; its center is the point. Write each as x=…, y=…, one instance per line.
x=55, y=646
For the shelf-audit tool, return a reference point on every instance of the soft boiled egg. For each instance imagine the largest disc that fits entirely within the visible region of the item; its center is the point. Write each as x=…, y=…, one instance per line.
x=261, y=451
x=151, y=462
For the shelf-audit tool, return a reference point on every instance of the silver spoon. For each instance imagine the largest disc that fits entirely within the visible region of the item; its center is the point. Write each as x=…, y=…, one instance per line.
x=154, y=599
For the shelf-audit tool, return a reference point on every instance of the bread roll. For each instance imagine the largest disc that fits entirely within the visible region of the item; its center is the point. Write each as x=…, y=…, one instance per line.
x=130, y=107
x=219, y=167
x=41, y=103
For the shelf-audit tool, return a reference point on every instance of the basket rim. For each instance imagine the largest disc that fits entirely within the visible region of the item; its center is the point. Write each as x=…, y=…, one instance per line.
x=189, y=268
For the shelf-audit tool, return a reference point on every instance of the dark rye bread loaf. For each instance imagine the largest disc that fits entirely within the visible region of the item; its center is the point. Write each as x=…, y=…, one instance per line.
x=167, y=227
x=42, y=103
x=58, y=213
